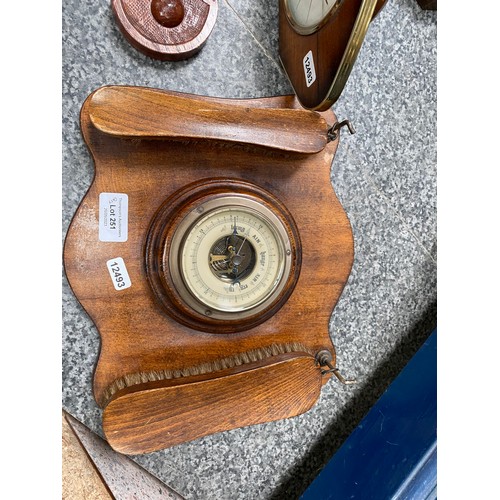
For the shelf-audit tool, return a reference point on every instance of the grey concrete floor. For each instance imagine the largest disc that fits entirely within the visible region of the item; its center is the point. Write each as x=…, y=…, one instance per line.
x=384, y=176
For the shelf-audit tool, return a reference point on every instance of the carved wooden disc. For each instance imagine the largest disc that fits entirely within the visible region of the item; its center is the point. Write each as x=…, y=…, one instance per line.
x=166, y=29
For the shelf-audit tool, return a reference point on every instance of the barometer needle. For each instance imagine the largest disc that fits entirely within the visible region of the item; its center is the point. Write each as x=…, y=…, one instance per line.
x=241, y=246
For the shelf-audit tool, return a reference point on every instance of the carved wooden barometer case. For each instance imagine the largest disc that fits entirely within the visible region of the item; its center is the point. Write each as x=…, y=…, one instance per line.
x=210, y=251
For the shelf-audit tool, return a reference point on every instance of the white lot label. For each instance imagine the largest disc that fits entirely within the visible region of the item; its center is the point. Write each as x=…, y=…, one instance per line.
x=309, y=71
x=118, y=273
x=113, y=217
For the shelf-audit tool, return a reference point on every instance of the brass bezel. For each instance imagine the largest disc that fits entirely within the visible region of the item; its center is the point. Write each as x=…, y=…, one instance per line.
x=240, y=202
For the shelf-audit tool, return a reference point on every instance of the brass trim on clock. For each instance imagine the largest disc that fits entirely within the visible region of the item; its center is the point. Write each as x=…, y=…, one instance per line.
x=303, y=30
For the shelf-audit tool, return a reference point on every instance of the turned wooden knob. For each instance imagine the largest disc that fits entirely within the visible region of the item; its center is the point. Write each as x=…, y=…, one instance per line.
x=168, y=13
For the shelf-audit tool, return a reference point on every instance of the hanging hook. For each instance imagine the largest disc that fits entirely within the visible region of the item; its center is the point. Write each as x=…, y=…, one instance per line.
x=323, y=358
x=334, y=130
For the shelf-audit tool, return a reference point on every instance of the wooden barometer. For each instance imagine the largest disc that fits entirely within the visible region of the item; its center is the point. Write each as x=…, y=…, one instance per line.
x=209, y=251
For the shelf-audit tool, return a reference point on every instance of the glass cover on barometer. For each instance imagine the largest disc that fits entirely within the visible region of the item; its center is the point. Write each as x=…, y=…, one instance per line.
x=233, y=256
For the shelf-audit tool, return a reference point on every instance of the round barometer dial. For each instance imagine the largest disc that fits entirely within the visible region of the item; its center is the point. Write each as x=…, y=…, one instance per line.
x=222, y=255
x=307, y=16
x=230, y=257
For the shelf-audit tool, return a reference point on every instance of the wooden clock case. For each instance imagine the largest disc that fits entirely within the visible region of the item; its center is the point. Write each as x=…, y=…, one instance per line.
x=333, y=49
x=161, y=380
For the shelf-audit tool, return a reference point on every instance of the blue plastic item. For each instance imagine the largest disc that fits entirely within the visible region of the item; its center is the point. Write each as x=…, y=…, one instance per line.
x=392, y=454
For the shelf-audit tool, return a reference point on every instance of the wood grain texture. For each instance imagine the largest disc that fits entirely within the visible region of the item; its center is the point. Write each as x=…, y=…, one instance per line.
x=327, y=45
x=148, y=113
x=148, y=33
x=137, y=334
x=283, y=388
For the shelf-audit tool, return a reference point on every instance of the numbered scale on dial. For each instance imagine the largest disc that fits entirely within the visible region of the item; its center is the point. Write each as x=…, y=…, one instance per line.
x=231, y=260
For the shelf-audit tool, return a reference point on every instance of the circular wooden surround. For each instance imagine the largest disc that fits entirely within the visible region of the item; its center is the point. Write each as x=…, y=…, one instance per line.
x=162, y=270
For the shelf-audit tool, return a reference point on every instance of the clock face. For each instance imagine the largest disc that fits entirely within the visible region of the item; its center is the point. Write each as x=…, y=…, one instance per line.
x=307, y=16
x=230, y=257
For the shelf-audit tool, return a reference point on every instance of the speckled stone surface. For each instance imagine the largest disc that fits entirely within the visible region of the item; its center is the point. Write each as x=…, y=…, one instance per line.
x=384, y=176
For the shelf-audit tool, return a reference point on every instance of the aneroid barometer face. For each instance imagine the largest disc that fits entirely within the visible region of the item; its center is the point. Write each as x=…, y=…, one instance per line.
x=306, y=16
x=230, y=257
x=222, y=255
